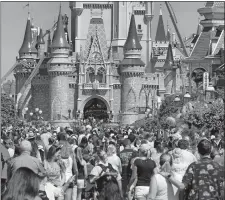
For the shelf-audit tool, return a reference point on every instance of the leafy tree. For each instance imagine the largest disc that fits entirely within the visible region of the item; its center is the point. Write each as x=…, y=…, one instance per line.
x=8, y=115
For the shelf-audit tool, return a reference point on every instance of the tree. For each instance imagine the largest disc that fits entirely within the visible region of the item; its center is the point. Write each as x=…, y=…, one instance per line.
x=8, y=114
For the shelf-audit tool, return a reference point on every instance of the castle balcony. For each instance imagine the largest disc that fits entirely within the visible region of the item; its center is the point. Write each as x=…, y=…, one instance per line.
x=95, y=86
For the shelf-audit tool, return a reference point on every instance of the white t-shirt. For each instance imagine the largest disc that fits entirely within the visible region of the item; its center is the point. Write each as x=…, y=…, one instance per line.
x=115, y=161
x=164, y=188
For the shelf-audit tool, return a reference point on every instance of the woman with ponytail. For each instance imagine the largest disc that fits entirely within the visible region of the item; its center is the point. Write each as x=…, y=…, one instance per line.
x=142, y=170
x=160, y=187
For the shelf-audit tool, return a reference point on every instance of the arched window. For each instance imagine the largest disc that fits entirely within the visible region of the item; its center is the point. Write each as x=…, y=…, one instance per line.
x=90, y=75
x=101, y=75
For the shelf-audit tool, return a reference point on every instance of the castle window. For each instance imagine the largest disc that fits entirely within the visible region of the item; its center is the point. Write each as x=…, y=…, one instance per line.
x=58, y=64
x=153, y=78
x=139, y=26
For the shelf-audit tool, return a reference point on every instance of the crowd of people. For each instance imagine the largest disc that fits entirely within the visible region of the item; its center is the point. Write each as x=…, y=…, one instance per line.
x=92, y=162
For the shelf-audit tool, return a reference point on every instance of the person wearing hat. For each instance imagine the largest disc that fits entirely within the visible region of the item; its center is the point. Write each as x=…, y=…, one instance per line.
x=25, y=160
x=142, y=170
x=31, y=137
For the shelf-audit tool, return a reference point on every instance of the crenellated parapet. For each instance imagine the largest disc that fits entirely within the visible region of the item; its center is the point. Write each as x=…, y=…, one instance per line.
x=97, y=6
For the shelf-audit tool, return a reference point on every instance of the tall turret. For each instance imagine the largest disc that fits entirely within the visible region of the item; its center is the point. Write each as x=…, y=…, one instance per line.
x=148, y=19
x=132, y=69
x=40, y=44
x=49, y=43
x=160, y=33
x=76, y=11
x=59, y=67
x=28, y=50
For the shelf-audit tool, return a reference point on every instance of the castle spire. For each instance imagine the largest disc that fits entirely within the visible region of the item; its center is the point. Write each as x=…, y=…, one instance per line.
x=168, y=36
x=132, y=41
x=40, y=38
x=59, y=37
x=169, y=58
x=27, y=46
x=160, y=33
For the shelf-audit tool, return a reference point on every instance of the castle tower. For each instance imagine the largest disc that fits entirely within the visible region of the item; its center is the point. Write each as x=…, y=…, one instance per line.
x=76, y=11
x=160, y=33
x=120, y=28
x=160, y=45
x=59, y=67
x=27, y=53
x=132, y=69
x=27, y=50
x=40, y=44
x=49, y=43
x=148, y=19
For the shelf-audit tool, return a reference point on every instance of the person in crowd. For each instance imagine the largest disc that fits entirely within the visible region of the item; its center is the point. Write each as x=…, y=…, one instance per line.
x=55, y=169
x=69, y=160
x=107, y=179
x=24, y=159
x=159, y=150
x=125, y=157
x=7, y=142
x=160, y=187
x=32, y=139
x=113, y=159
x=82, y=166
x=203, y=179
x=4, y=160
x=132, y=139
x=24, y=184
x=142, y=170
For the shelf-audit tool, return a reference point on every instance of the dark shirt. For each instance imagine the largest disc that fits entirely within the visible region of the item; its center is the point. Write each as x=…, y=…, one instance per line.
x=203, y=180
x=125, y=157
x=144, y=171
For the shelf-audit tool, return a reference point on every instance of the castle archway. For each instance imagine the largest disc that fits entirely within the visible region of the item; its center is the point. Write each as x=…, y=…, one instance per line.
x=96, y=107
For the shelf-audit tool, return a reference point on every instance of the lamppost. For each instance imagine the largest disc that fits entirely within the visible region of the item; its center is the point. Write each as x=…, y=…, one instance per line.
x=177, y=101
x=187, y=97
x=36, y=115
x=209, y=92
x=69, y=111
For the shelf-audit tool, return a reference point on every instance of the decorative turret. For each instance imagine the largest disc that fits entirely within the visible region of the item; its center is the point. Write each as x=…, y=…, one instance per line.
x=59, y=68
x=169, y=58
x=59, y=38
x=160, y=33
x=49, y=42
x=40, y=44
x=27, y=49
x=168, y=36
x=132, y=50
x=132, y=68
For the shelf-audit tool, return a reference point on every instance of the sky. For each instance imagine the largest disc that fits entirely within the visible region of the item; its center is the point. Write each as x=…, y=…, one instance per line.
x=14, y=17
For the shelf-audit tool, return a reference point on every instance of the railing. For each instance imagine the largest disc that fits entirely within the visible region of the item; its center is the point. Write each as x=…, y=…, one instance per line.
x=95, y=86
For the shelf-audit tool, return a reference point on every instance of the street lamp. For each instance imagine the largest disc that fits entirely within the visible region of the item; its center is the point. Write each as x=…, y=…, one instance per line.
x=187, y=97
x=177, y=100
x=159, y=101
x=31, y=114
x=69, y=111
x=40, y=112
x=209, y=92
x=36, y=109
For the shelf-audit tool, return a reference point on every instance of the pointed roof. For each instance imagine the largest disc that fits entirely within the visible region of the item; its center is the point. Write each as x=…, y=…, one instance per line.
x=132, y=41
x=160, y=33
x=169, y=58
x=27, y=46
x=59, y=37
x=168, y=36
x=40, y=39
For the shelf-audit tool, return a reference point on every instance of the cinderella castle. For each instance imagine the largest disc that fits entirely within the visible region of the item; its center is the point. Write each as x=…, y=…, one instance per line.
x=108, y=66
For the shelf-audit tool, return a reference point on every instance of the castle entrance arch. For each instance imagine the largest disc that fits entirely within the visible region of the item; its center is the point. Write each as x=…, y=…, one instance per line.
x=96, y=108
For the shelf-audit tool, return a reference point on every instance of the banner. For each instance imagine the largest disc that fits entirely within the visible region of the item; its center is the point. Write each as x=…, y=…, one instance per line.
x=205, y=80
